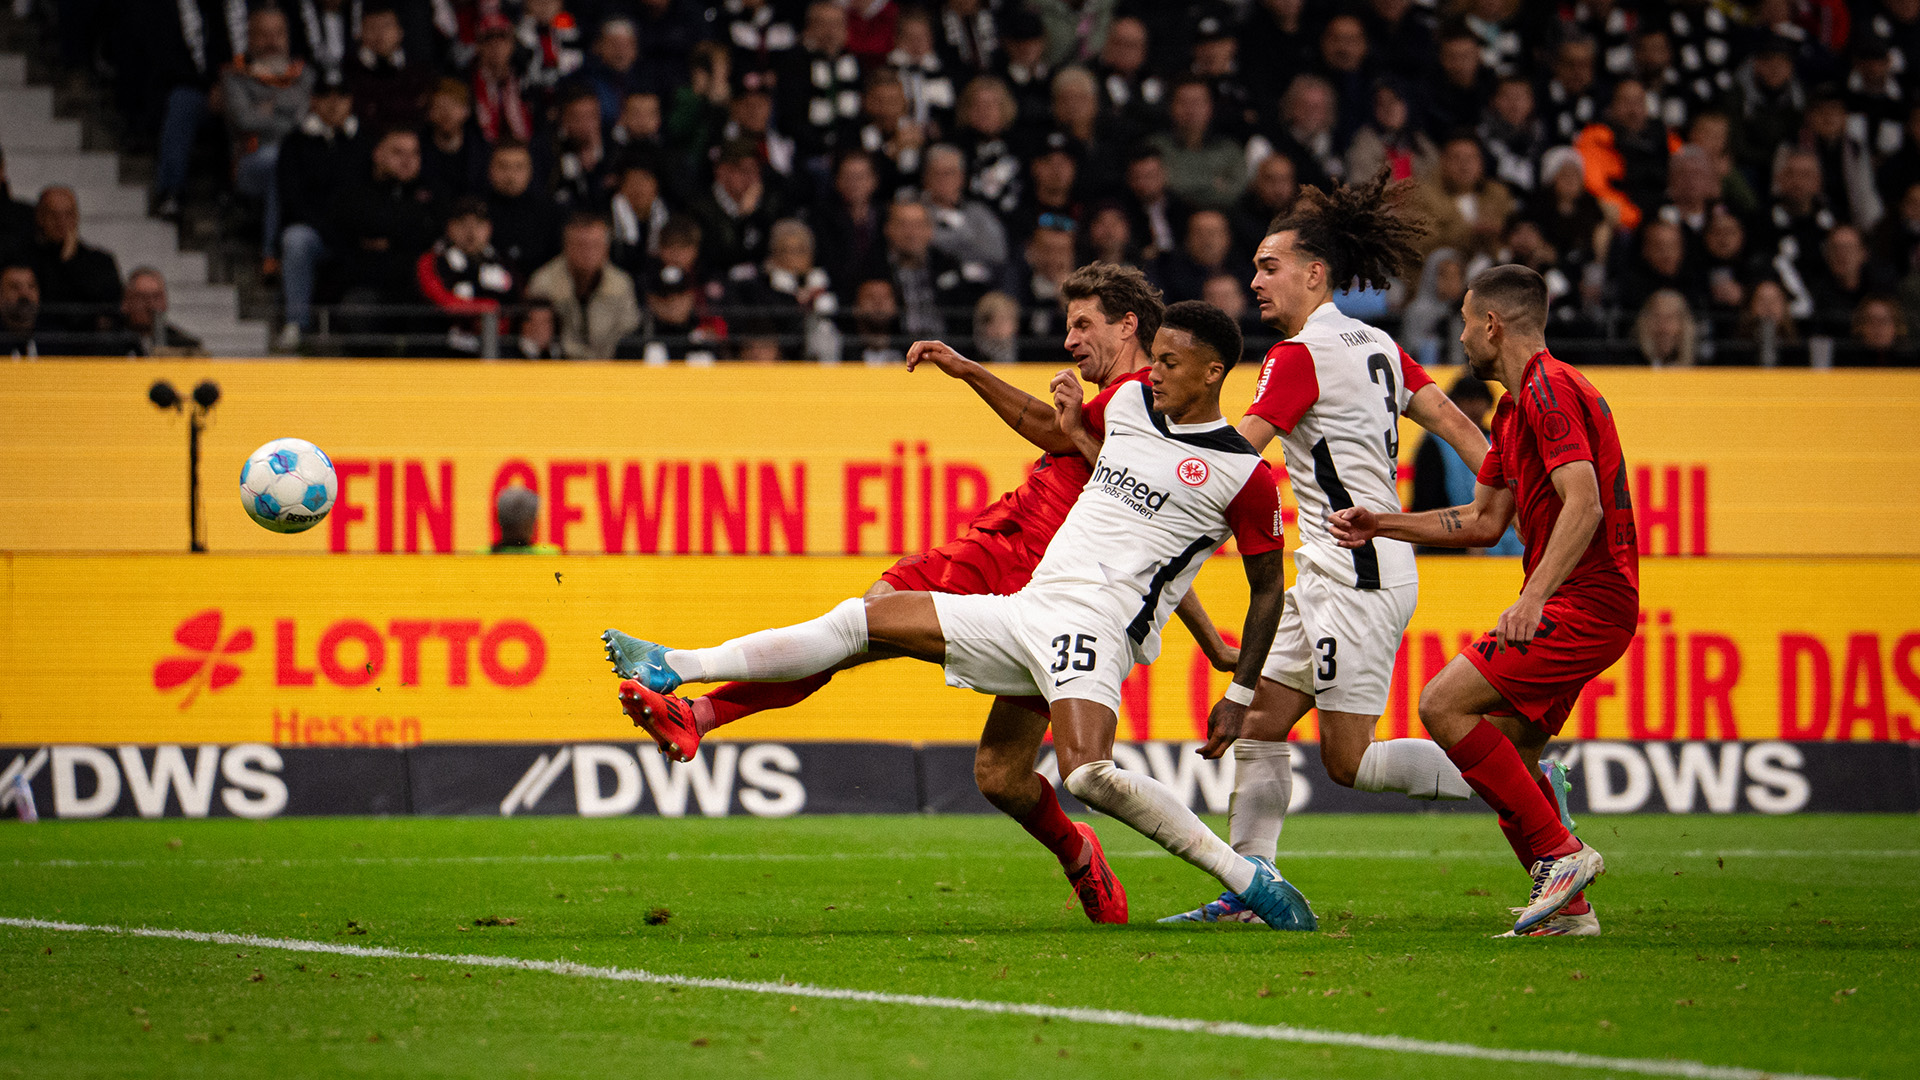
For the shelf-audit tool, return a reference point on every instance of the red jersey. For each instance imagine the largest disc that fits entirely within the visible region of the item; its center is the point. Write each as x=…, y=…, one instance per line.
x=1555, y=418
x=1038, y=506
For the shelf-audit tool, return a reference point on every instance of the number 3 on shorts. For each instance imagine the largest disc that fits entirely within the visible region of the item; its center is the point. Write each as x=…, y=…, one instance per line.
x=1082, y=655
x=1329, y=667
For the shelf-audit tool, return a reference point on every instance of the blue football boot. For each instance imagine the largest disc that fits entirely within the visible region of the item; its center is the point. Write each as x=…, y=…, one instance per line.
x=640, y=660
x=1275, y=900
x=1562, y=784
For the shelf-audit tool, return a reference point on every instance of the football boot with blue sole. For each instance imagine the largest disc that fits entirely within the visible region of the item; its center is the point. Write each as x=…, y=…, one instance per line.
x=1275, y=899
x=1227, y=909
x=642, y=661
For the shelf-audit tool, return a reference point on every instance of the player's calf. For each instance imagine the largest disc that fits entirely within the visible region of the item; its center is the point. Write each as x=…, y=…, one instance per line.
x=1003, y=760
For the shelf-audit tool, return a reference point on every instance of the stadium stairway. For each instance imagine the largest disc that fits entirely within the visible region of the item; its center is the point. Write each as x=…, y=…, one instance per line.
x=42, y=149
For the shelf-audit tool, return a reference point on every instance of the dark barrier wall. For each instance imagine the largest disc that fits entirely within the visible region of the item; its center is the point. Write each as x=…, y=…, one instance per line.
x=772, y=779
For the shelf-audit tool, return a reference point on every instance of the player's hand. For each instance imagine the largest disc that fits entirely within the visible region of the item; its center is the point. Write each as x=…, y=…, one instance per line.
x=1222, y=656
x=1068, y=397
x=1223, y=726
x=1518, y=623
x=1354, y=526
x=940, y=355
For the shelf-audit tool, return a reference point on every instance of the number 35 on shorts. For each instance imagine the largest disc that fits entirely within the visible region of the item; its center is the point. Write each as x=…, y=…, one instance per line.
x=1075, y=651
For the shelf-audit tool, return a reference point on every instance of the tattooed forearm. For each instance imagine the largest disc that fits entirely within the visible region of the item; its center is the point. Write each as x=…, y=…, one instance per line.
x=1020, y=423
x=1450, y=520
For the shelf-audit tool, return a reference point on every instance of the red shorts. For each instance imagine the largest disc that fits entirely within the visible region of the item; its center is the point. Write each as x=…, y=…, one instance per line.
x=1542, y=679
x=974, y=564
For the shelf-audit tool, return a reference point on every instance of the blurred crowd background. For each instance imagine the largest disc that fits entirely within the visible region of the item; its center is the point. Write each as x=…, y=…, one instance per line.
x=1701, y=182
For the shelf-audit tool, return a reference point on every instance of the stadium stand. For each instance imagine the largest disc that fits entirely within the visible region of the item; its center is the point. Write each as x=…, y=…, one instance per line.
x=1760, y=162
x=43, y=151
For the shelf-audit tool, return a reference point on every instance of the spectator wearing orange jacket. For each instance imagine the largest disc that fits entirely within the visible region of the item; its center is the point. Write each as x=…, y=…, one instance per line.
x=1626, y=155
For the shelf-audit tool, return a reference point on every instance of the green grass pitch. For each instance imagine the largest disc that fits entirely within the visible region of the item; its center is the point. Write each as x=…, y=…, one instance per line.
x=1783, y=945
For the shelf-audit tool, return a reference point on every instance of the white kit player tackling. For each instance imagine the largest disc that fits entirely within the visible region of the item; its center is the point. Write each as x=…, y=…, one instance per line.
x=1172, y=482
x=1334, y=393
x=1169, y=495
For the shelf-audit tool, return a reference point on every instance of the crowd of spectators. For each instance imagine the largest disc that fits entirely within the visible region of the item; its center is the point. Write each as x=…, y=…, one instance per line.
x=1701, y=181
x=61, y=296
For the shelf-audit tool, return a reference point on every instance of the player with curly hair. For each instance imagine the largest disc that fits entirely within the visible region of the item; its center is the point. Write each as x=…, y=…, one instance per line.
x=1334, y=393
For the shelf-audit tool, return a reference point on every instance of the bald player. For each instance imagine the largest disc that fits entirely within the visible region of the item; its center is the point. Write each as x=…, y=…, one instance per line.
x=1556, y=465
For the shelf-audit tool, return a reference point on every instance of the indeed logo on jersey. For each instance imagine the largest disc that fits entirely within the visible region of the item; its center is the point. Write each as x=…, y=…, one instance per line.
x=1138, y=495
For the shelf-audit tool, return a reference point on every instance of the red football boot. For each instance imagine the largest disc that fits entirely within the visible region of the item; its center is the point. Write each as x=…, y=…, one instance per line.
x=668, y=719
x=1101, y=894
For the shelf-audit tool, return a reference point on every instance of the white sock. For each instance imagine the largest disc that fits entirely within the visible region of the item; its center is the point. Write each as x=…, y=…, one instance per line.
x=1154, y=812
x=1262, y=791
x=1416, y=766
x=789, y=652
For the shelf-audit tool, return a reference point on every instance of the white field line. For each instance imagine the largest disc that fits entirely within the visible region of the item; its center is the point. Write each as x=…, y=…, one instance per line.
x=1486, y=855
x=1694, y=1070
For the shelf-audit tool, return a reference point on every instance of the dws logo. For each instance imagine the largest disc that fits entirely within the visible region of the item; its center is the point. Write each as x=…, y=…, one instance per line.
x=1621, y=778
x=87, y=781
x=762, y=777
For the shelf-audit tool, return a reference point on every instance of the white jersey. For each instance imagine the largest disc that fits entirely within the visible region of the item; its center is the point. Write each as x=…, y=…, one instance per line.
x=1162, y=498
x=1336, y=391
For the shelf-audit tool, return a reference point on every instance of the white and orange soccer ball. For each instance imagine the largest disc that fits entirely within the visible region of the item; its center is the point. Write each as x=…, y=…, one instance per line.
x=288, y=485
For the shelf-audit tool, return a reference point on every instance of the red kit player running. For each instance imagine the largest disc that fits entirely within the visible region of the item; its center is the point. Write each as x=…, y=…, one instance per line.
x=1112, y=315
x=1556, y=462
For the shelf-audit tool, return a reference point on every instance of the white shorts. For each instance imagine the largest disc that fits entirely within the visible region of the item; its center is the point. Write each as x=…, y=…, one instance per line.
x=1337, y=643
x=1034, y=643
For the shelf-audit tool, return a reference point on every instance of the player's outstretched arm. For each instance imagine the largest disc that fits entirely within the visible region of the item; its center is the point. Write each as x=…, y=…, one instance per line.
x=1478, y=524
x=1435, y=411
x=1580, y=514
x=1222, y=656
x=1027, y=415
x=1267, y=582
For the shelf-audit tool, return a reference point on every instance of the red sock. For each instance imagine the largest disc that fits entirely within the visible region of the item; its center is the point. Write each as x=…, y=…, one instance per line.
x=1493, y=768
x=739, y=699
x=1515, y=837
x=1052, y=827
x=1519, y=842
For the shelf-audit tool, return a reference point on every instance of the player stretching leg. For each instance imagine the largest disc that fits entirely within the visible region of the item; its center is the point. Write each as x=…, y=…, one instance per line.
x=1556, y=462
x=1333, y=393
x=1170, y=486
x=1112, y=313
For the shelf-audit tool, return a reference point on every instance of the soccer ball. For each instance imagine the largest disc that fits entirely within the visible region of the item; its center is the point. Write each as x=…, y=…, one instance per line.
x=288, y=485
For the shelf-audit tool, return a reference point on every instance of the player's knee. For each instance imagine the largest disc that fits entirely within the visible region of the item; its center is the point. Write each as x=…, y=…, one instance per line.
x=1431, y=705
x=1089, y=782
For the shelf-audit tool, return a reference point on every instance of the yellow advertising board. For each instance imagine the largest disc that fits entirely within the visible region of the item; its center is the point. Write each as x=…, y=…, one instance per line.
x=365, y=650
x=747, y=460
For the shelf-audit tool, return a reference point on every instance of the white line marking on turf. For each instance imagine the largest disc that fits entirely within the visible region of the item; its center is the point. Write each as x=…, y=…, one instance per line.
x=1692, y=1070
x=1487, y=855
